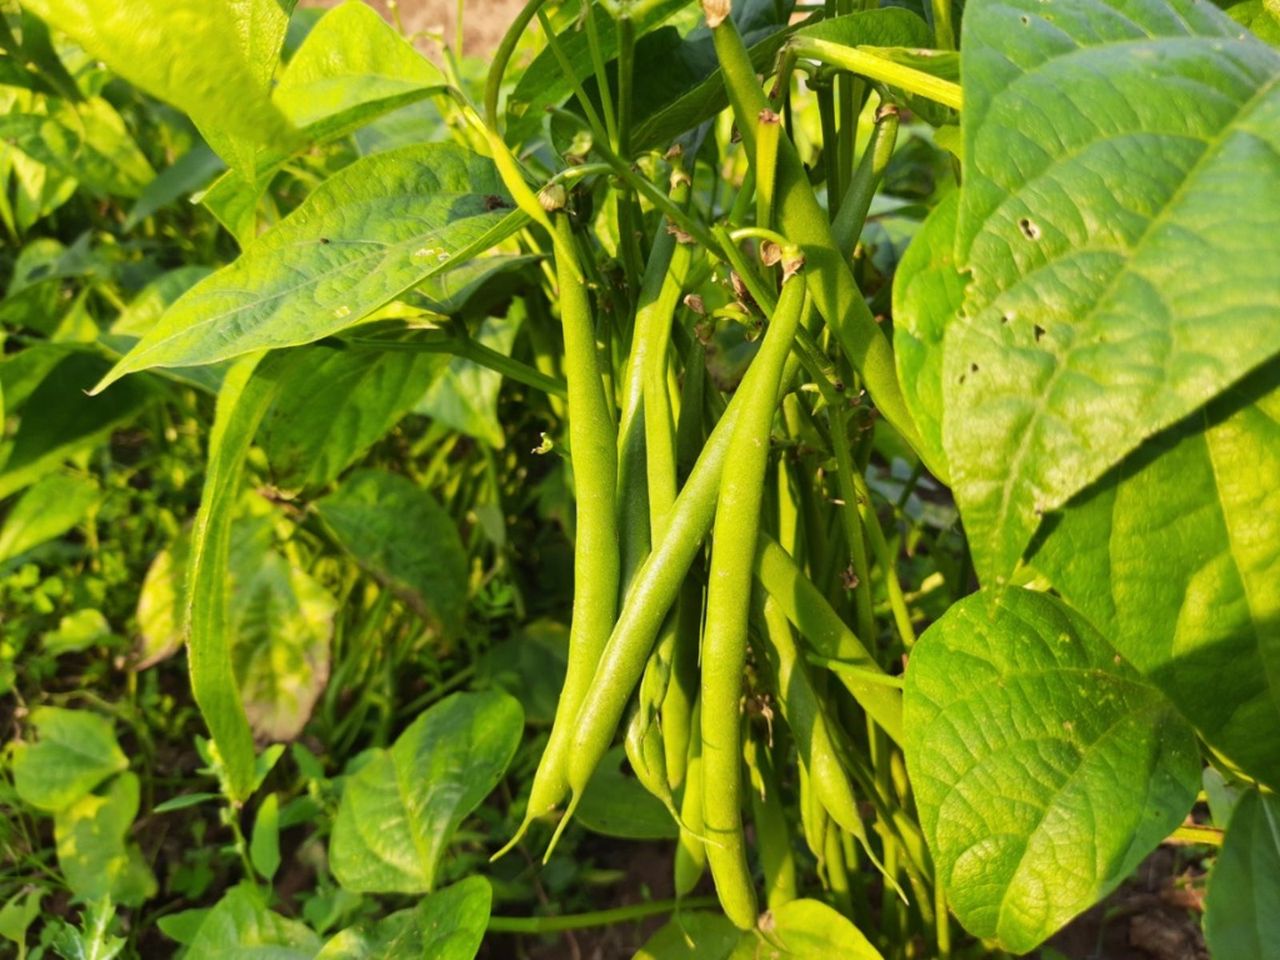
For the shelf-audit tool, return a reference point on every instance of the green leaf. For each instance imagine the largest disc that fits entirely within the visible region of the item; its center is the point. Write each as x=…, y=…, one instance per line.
x=400, y=534
x=693, y=936
x=336, y=402
x=56, y=418
x=247, y=391
x=264, y=844
x=927, y=293
x=94, y=854
x=1175, y=557
x=1045, y=768
x=161, y=603
x=281, y=622
x=361, y=238
x=149, y=304
x=74, y=752
x=191, y=171
x=211, y=59
x=1242, y=909
x=87, y=141
x=47, y=510
x=18, y=913
x=400, y=810
x=531, y=667
x=94, y=940
x=616, y=805
x=76, y=632
x=448, y=925
x=1102, y=306
x=351, y=68
x=808, y=930
x=241, y=926
x=465, y=394
x=1260, y=16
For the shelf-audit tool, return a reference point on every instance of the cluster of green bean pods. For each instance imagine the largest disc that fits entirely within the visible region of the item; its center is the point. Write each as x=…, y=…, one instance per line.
x=706, y=629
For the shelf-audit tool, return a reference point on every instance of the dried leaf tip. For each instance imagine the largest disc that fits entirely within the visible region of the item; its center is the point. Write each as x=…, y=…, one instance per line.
x=768, y=116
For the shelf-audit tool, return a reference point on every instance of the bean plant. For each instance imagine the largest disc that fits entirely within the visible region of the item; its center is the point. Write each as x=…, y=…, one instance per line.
x=899, y=385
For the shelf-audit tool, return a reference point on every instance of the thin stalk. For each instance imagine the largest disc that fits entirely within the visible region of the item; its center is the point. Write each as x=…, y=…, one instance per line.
x=566, y=69
x=502, y=56
x=861, y=61
x=598, y=65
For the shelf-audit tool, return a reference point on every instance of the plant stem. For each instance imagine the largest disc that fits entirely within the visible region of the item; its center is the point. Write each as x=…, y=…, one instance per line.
x=596, y=918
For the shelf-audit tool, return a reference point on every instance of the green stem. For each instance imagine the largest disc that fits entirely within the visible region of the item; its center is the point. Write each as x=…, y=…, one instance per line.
x=598, y=65
x=596, y=918
x=566, y=69
x=502, y=56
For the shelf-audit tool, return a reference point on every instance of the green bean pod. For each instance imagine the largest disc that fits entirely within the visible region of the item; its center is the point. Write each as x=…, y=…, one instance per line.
x=691, y=853
x=803, y=711
x=724, y=640
x=773, y=838
x=801, y=219
x=593, y=446
x=652, y=593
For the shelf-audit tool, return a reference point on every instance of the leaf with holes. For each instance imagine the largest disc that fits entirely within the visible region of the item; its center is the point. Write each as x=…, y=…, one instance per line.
x=1044, y=766
x=1117, y=225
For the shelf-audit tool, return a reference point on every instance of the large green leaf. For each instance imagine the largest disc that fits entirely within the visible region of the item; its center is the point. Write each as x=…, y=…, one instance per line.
x=75, y=751
x=212, y=59
x=399, y=812
x=1045, y=768
x=693, y=936
x=1175, y=557
x=48, y=509
x=1117, y=226
x=335, y=402
x=364, y=236
x=398, y=532
x=282, y=622
x=94, y=854
x=241, y=926
x=448, y=925
x=352, y=67
x=927, y=293
x=1242, y=909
